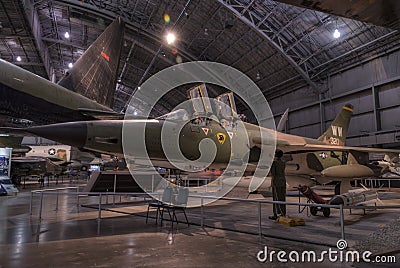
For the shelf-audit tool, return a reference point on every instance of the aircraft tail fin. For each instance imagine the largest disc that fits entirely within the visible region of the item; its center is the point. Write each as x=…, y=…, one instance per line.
x=282, y=123
x=10, y=141
x=391, y=157
x=14, y=142
x=94, y=75
x=337, y=132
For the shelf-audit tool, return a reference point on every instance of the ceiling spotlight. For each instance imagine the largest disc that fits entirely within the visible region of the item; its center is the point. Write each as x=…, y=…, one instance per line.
x=134, y=113
x=19, y=58
x=66, y=35
x=336, y=33
x=70, y=65
x=170, y=38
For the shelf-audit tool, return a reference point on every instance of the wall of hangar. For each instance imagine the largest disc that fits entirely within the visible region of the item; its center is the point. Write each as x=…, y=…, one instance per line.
x=373, y=88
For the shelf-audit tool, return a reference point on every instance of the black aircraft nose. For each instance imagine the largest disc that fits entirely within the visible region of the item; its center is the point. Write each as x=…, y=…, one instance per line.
x=72, y=133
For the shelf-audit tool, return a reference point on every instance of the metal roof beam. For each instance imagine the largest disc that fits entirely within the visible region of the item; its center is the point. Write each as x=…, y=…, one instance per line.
x=129, y=24
x=279, y=48
x=34, y=22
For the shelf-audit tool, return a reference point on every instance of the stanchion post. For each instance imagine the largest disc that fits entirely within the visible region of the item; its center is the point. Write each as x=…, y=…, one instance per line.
x=31, y=204
x=115, y=187
x=202, y=212
x=99, y=215
x=259, y=220
x=57, y=200
x=41, y=205
x=77, y=199
x=342, y=222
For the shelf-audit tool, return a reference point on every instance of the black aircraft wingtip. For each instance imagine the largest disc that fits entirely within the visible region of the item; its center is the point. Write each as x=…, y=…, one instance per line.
x=14, y=132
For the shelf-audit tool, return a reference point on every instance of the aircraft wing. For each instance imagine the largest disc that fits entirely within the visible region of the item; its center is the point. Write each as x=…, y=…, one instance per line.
x=101, y=114
x=302, y=145
x=317, y=147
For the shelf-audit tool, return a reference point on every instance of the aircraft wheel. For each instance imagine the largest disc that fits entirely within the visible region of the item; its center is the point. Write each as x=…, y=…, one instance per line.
x=326, y=212
x=313, y=210
x=16, y=180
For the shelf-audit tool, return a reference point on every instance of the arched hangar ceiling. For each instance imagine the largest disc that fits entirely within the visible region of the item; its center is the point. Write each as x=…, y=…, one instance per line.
x=281, y=47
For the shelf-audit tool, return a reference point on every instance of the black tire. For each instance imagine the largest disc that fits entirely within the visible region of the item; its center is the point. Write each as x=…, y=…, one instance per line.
x=16, y=180
x=326, y=212
x=313, y=210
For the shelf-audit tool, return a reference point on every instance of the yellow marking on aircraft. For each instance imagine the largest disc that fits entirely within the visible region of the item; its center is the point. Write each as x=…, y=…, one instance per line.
x=230, y=101
x=347, y=108
x=221, y=137
x=202, y=98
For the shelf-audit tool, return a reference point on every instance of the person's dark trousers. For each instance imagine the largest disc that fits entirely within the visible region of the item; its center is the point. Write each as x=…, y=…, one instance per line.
x=279, y=194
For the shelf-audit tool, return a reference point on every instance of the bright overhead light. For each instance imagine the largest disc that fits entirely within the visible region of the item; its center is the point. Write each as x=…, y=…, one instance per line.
x=134, y=113
x=66, y=35
x=336, y=33
x=170, y=38
x=19, y=58
x=70, y=65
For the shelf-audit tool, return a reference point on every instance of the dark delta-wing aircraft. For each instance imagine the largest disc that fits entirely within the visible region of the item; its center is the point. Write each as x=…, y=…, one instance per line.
x=326, y=158
x=84, y=93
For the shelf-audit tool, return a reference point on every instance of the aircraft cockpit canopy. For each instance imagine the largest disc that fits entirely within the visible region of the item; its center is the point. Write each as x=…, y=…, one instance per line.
x=227, y=106
x=200, y=100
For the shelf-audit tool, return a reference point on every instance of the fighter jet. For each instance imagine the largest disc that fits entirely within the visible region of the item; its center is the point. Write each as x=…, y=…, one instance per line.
x=307, y=167
x=326, y=158
x=34, y=166
x=94, y=76
x=84, y=93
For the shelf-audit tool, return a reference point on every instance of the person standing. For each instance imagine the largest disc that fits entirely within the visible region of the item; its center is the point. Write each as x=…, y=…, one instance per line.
x=278, y=184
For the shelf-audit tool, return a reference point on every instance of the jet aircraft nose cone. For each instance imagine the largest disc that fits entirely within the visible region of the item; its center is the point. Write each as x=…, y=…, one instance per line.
x=73, y=133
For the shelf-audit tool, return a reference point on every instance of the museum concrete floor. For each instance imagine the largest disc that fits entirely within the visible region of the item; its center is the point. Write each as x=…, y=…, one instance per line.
x=67, y=237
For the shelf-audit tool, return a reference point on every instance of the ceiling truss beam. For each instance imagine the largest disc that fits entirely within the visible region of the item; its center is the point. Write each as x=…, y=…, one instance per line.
x=34, y=22
x=248, y=19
